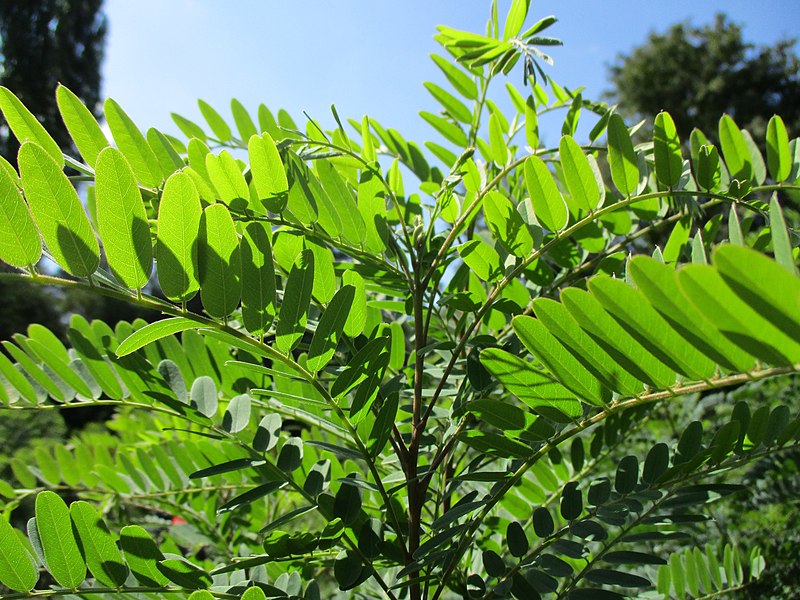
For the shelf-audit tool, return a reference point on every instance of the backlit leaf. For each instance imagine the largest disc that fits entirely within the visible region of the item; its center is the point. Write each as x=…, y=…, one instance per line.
x=97, y=545
x=215, y=121
x=83, y=128
x=296, y=298
x=179, y=214
x=58, y=212
x=580, y=180
x=154, y=331
x=548, y=204
x=329, y=329
x=61, y=552
x=258, y=278
x=621, y=156
x=506, y=224
x=142, y=556
x=269, y=176
x=133, y=145
x=20, y=245
x=219, y=261
x=779, y=159
x=17, y=570
x=26, y=127
x=667, y=150
x=122, y=221
x=227, y=178
x=734, y=148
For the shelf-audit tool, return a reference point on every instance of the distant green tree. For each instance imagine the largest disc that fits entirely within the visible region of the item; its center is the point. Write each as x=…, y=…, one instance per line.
x=699, y=73
x=46, y=42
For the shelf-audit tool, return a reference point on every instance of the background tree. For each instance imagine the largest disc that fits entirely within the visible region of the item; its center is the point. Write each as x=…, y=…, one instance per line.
x=60, y=41
x=727, y=75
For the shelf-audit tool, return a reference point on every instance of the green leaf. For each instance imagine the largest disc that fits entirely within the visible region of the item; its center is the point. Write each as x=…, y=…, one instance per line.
x=515, y=18
x=481, y=258
x=219, y=260
x=258, y=278
x=269, y=175
x=17, y=570
x=558, y=360
x=35, y=372
x=18, y=382
x=97, y=545
x=83, y=128
x=619, y=344
x=250, y=496
x=329, y=329
x=121, y=220
x=457, y=78
x=548, y=204
x=667, y=150
x=58, y=212
x=584, y=348
x=154, y=331
x=653, y=332
x=451, y=104
x=580, y=180
x=531, y=386
x=189, y=128
x=296, y=299
x=237, y=414
x=781, y=244
x=734, y=148
x=353, y=228
x=621, y=157
x=60, y=367
x=497, y=142
x=779, y=159
x=227, y=178
x=26, y=127
x=218, y=125
x=358, y=367
x=179, y=215
x=735, y=318
x=745, y=270
x=133, y=145
x=61, y=552
x=677, y=240
x=759, y=168
x=659, y=285
x=244, y=123
x=347, y=502
x=20, y=245
x=142, y=556
x=168, y=158
x=506, y=224
x=449, y=130
x=203, y=395
x=707, y=168
x=291, y=455
x=183, y=573
x=531, y=124
x=357, y=316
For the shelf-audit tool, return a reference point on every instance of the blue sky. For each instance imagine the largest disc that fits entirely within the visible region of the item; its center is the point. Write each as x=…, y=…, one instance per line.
x=366, y=57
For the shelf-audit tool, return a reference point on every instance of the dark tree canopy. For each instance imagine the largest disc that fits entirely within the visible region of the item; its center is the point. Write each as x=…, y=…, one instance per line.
x=46, y=42
x=699, y=73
